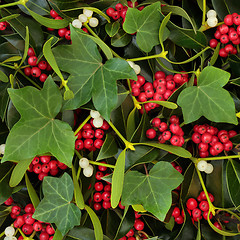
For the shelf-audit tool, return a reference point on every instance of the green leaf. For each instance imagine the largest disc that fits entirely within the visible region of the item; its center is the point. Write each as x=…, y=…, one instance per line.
x=118, y=179
x=162, y=29
x=57, y=235
x=38, y=110
x=56, y=206
x=108, y=149
x=179, y=151
x=12, y=59
x=26, y=47
x=4, y=98
x=96, y=223
x=38, y=6
x=208, y=99
x=188, y=38
x=19, y=171
x=153, y=191
x=233, y=181
x=49, y=22
x=215, y=55
x=146, y=23
x=121, y=39
x=9, y=17
x=31, y=191
x=131, y=123
x=89, y=77
x=3, y=77
x=112, y=28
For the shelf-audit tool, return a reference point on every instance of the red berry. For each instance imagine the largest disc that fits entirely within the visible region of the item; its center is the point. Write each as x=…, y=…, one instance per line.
x=3, y=26
x=62, y=32
x=121, y=206
x=163, y=127
x=98, y=186
x=218, y=147
x=191, y=203
x=119, y=7
x=31, y=52
x=223, y=53
x=159, y=74
x=224, y=39
x=50, y=230
x=97, y=206
x=115, y=15
x=27, y=71
x=175, y=128
x=166, y=135
x=206, y=137
x=136, y=91
x=105, y=125
x=106, y=204
x=106, y=196
x=44, y=236
x=176, y=212
x=35, y=72
x=9, y=201
x=45, y=159
x=68, y=35
x=236, y=20
x=130, y=233
x=88, y=143
x=156, y=122
x=99, y=175
x=53, y=14
x=174, y=119
x=223, y=29
x=196, y=138
x=205, y=214
x=179, y=220
x=217, y=225
x=141, y=80
x=204, y=206
x=29, y=208
x=42, y=65
x=228, y=146
x=37, y=226
x=98, y=143
x=97, y=197
x=232, y=133
x=151, y=133
x=196, y=214
x=27, y=229
x=79, y=145
x=37, y=168
x=102, y=168
x=228, y=20
x=110, y=12
x=41, y=176
x=45, y=168
x=32, y=61
x=175, y=140
x=202, y=129
x=139, y=225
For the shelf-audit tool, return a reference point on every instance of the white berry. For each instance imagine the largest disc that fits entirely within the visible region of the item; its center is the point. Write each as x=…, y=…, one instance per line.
x=76, y=23
x=131, y=63
x=94, y=114
x=212, y=22
x=14, y=238
x=93, y=22
x=87, y=12
x=88, y=171
x=202, y=165
x=2, y=148
x=211, y=13
x=83, y=162
x=9, y=231
x=97, y=122
x=136, y=69
x=82, y=18
x=8, y=238
x=209, y=168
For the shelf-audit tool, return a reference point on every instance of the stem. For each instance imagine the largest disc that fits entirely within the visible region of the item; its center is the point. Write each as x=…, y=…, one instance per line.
x=211, y=207
x=204, y=12
x=219, y=158
x=11, y=4
x=127, y=143
x=96, y=36
x=145, y=167
x=162, y=55
x=33, y=234
x=82, y=124
x=30, y=80
x=135, y=102
x=2, y=234
x=101, y=164
x=23, y=235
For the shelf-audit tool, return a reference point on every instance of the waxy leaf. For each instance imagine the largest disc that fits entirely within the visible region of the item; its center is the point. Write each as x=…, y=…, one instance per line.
x=146, y=23
x=208, y=99
x=56, y=206
x=37, y=132
x=89, y=77
x=153, y=191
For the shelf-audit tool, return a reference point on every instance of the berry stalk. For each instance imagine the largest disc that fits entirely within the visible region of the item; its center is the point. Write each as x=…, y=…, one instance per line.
x=82, y=124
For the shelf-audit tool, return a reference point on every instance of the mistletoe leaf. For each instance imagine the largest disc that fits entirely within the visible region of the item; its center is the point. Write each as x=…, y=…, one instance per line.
x=56, y=206
x=37, y=132
x=146, y=23
x=208, y=99
x=153, y=191
x=89, y=78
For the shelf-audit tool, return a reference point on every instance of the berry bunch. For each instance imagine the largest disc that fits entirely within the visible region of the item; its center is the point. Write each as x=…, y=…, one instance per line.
x=160, y=90
x=203, y=166
x=172, y=133
x=87, y=168
x=133, y=234
x=120, y=10
x=178, y=215
x=212, y=20
x=45, y=165
x=199, y=208
x=135, y=67
x=23, y=219
x=228, y=34
x=37, y=69
x=3, y=26
x=212, y=141
x=91, y=137
x=9, y=232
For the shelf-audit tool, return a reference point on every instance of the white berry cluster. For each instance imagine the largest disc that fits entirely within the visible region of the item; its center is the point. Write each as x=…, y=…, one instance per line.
x=86, y=16
x=2, y=149
x=212, y=20
x=87, y=168
x=203, y=166
x=9, y=232
x=97, y=119
x=135, y=67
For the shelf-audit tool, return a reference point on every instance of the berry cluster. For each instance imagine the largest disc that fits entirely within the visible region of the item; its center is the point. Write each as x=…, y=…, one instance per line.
x=180, y=170
x=3, y=25
x=199, y=208
x=120, y=10
x=91, y=137
x=9, y=232
x=172, y=133
x=160, y=90
x=212, y=141
x=133, y=234
x=228, y=34
x=45, y=165
x=23, y=219
x=87, y=168
x=212, y=20
x=37, y=69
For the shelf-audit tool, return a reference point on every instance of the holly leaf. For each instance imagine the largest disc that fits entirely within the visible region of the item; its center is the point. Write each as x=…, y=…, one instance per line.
x=56, y=206
x=146, y=23
x=153, y=191
x=89, y=78
x=208, y=98
x=37, y=132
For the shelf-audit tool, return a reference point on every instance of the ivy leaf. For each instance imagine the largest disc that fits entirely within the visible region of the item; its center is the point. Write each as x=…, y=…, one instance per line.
x=89, y=78
x=146, y=23
x=37, y=132
x=208, y=99
x=56, y=206
x=153, y=191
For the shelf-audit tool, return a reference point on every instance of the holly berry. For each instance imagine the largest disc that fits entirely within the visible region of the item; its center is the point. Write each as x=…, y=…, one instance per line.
x=191, y=204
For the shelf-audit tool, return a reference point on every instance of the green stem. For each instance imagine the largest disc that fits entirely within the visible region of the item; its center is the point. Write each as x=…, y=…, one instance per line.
x=162, y=55
x=211, y=207
x=127, y=143
x=219, y=158
x=10, y=4
x=82, y=124
x=96, y=36
x=101, y=164
x=204, y=12
x=2, y=234
x=6, y=65
x=30, y=80
x=23, y=235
